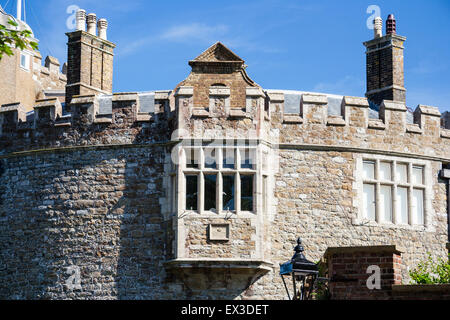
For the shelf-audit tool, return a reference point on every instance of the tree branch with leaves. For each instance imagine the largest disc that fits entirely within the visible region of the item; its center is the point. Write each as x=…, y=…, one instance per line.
x=11, y=38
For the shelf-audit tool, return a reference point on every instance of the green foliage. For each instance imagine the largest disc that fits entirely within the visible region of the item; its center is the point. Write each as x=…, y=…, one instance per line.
x=431, y=272
x=10, y=38
x=321, y=290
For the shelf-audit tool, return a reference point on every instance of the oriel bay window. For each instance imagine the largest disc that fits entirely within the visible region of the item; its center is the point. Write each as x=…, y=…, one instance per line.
x=394, y=191
x=223, y=180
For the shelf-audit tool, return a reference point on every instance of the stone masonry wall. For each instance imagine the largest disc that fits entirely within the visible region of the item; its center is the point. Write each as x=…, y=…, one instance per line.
x=242, y=245
x=89, y=193
x=97, y=211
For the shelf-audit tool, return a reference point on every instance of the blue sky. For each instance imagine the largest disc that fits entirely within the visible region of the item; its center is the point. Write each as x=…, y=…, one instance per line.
x=297, y=45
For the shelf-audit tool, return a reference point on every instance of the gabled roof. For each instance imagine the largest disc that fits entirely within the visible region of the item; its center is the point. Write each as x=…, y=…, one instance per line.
x=218, y=53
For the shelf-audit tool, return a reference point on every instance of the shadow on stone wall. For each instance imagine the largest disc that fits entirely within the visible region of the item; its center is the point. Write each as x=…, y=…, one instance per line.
x=88, y=223
x=35, y=229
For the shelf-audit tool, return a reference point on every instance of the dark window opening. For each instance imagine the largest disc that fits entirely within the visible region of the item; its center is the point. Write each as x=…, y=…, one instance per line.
x=191, y=192
x=228, y=193
x=246, y=193
x=210, y=192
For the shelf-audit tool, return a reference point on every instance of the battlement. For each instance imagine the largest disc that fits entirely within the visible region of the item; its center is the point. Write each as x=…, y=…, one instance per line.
x=121, y=118
x=87, y=109
x=286, y=108
x=393, y=117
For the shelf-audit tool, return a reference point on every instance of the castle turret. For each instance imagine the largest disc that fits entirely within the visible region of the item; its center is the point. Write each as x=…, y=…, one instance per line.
x=385, y=72
x=90, y=58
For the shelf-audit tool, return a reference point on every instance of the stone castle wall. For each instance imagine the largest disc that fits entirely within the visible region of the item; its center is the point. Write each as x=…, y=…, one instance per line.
x=90, y=192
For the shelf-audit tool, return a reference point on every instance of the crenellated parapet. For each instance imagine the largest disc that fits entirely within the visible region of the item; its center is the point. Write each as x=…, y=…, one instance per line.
x=320, y=119
x=93, y=120
x=300, y=117
x=11, y=115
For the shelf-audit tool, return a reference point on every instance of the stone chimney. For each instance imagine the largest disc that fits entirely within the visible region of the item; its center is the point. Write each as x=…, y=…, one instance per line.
x=384, y=61
x=90, y=58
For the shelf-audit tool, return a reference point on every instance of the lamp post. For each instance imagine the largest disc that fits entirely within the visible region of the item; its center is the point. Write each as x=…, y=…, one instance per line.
x=302, y=270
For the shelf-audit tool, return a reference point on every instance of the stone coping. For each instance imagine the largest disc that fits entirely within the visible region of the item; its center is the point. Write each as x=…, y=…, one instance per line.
x=428, y=110
x=314, y=99
x=237, y=113
x=47, y=103
x=11, y=107
x=393, y=105
x=416, y=288
x=211, y=263
x=355, y=102
x=289, y=118
x=369, y=249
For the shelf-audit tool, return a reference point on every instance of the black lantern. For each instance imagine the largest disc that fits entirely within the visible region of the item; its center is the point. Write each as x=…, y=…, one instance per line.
x=302, y=271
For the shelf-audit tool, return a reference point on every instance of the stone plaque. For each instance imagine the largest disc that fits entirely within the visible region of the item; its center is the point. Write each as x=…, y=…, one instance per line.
x=219, y=232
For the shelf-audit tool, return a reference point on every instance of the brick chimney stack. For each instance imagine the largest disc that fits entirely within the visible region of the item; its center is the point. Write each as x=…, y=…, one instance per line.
x=384, y=61
x=90, y=58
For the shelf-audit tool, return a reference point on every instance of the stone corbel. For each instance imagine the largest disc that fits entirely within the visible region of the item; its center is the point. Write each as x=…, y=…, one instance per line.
x=219, y=274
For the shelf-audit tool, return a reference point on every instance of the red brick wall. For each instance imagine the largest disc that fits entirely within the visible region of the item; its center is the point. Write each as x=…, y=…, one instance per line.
x=348, y=266
x=347, y=270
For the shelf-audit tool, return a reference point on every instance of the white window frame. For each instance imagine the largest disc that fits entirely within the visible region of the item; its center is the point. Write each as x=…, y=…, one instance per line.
x=27, y=56
x=220, y=171
x=426, y=186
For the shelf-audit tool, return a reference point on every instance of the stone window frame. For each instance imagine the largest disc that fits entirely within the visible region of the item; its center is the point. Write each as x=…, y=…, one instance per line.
x=201, y=171
x=219, y=92
x=426, y=186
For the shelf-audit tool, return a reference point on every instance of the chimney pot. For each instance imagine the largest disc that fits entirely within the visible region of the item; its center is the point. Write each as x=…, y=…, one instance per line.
x=81, y=20
x=92, y=23
x=378, y=27
x=391, y=25
x=102, y=25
